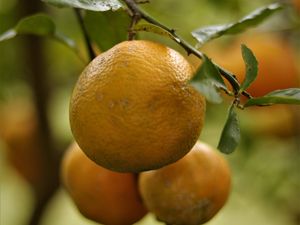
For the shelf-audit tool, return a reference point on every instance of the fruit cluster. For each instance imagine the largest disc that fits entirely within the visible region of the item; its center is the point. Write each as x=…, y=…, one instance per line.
x=136, y=122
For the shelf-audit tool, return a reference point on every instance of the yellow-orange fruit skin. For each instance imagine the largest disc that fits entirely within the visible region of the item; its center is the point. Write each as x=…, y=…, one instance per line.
x=101, y=195
x=132, y=109
x=190, y=191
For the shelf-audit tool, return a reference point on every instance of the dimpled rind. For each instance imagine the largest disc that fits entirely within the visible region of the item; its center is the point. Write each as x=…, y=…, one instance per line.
x=101, y=195
x=132, y=109
x=190, y=191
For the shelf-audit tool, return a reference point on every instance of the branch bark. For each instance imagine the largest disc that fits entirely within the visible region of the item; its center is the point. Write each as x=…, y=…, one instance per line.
x=39, y=83
x=133, y=7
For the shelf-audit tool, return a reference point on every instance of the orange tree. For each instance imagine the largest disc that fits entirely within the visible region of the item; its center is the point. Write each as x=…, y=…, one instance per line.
x=128, y=17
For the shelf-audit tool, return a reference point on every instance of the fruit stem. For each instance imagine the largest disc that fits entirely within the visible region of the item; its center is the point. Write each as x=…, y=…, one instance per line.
x=135, y=10
x=87, y=40
x=134, y=20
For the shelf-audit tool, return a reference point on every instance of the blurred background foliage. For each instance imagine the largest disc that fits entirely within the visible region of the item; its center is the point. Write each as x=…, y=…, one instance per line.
x=265, y=167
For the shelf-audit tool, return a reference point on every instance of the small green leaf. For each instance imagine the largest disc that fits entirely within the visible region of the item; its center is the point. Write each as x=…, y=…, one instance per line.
x=66, y=41
x=205, y=34
x=207, y=79
x=207, y=88
x=93, y=5
x=251, y=68
x=41, y=25
x=285, y=96
x=209, y=71
x=148, y=27
x=230, y=136
x=11, y=33
x=107, y=29
x=38, y=24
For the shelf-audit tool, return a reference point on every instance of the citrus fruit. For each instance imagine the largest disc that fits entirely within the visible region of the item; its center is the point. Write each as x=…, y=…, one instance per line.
x=278, y=121
x=133, y=110
x=277, y=68
x=20, y=135
x=296, y=4
x=190, y=191
x=101, y=195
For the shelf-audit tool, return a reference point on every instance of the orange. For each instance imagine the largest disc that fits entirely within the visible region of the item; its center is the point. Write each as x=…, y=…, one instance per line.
x=101, y=195
x=19, y=132
x=278, y=121
x=132, y=109
x=277, y=67
x=296, y=4
x=190, y=191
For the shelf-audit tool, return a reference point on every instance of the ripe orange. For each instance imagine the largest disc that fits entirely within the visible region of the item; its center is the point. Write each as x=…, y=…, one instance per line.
x=19, y=132
x=101, y=195
x=190, y=191
x=132, y=109
x=296, y=4
x=277, y=69
x=278, y=121
x=276, y=62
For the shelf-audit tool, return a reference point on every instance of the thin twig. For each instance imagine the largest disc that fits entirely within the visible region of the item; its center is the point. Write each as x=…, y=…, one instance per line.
x=131, y=32
x=133, y=7
x=87, y=40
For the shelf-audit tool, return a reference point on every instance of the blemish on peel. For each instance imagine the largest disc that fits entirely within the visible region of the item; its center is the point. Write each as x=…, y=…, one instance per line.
x=111, y=104
x=99, y=96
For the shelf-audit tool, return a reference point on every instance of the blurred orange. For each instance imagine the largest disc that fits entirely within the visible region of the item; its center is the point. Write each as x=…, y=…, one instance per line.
x=296, y=4
x=19, y=132
x=277, y=67
x=278, y=121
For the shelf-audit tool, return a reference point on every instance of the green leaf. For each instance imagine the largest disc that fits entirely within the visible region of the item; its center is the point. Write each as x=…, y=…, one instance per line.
x=41, y=25
x=205, y=34
x=93, y=5
x=107, y=29
x=148, y=27
x=38, y=24
x=285, y=96
x=251, y=68
x=68, y=42
x=207, y=88
x=11, y=33
x=207, y=79
x=230, y=136
x=209, y=71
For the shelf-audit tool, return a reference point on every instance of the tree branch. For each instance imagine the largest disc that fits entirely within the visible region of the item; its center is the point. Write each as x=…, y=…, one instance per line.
x=87, y=40
x=131, y=32
x=133, y=7
x=41, y=91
